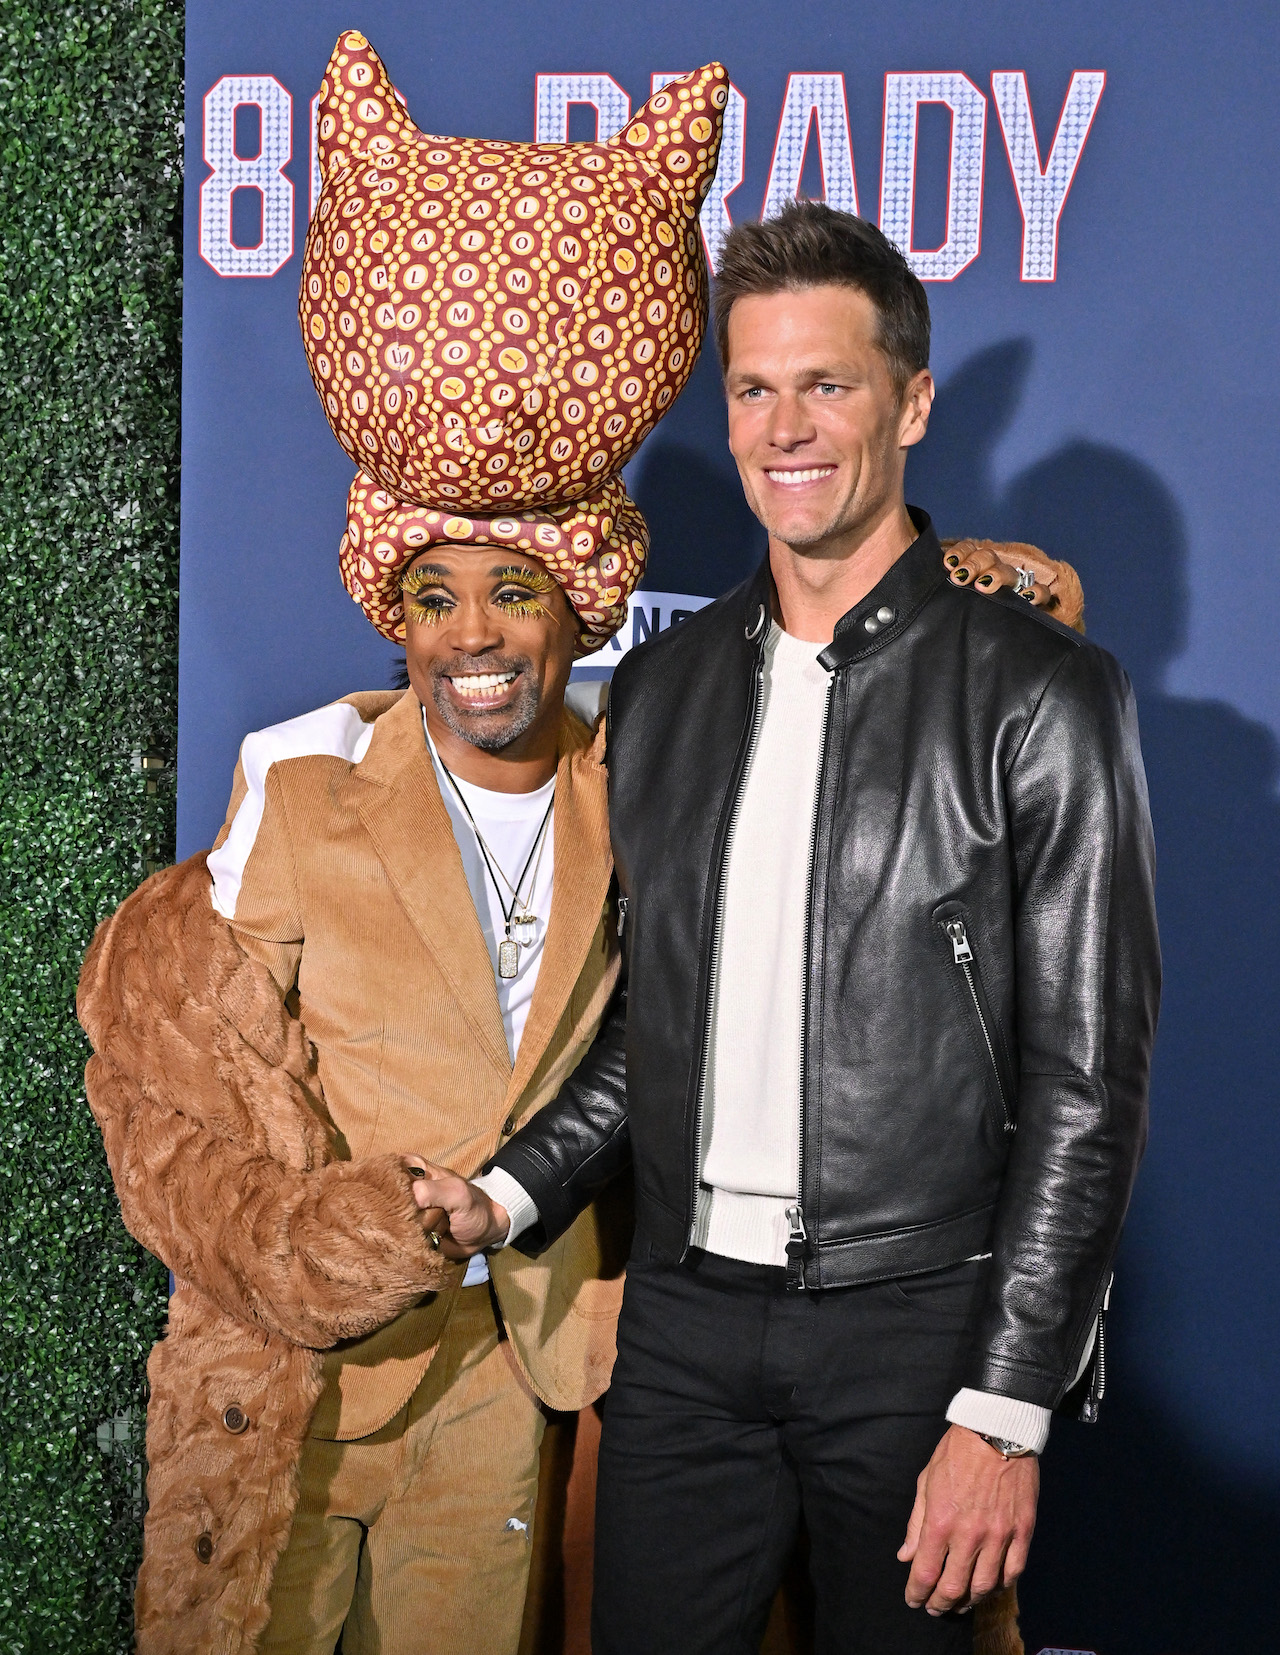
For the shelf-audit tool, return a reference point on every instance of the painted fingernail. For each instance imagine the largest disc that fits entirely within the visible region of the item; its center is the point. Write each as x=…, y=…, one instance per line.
x=952, y=561
x=962, y=574
x=983, y=580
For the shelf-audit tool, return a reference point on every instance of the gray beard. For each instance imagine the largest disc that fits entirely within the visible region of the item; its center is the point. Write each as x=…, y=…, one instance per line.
x=490, y=732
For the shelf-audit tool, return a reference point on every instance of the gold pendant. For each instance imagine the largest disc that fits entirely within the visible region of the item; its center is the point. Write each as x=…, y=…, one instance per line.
x=525, y=928
x=508, y=958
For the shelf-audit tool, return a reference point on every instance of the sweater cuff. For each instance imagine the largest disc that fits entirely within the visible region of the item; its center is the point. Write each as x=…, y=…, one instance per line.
x=990, y=1415
x=501, y=1187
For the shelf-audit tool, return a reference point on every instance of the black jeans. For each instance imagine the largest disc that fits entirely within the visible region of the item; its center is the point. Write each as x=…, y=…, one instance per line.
x=735, y=1407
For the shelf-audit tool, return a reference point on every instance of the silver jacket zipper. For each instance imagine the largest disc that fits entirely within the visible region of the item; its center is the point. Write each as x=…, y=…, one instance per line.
x=798, y=1238
x=757, y=713
x=1098, y=1362
x=963, y=956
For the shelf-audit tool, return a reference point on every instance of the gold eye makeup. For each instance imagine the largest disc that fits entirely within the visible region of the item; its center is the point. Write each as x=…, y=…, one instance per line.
x=530, y=585
x=427, y=601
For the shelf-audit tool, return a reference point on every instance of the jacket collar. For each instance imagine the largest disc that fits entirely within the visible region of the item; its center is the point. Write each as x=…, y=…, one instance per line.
x=903, y=592
x=399, y=802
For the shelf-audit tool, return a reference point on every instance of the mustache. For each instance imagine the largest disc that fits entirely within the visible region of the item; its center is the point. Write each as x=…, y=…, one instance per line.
x=490, y=661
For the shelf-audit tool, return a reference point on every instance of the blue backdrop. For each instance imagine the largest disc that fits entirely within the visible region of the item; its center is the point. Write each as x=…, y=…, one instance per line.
x=1119, y=414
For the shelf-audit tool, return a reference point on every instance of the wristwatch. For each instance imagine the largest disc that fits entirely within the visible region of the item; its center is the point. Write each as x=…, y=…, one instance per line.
x=1007, y=1450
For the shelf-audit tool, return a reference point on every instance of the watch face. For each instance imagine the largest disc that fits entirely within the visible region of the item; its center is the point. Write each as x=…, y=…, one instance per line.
x=1010, y=1450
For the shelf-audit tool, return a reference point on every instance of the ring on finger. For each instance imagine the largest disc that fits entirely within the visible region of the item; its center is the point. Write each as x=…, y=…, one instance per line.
x=434, y=1238
x=1025, y=585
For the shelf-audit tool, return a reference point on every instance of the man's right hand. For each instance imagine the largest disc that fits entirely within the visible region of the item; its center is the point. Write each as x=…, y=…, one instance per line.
x=475, y=1222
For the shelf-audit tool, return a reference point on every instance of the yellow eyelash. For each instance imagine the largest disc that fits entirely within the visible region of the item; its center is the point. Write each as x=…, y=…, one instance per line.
x=412, y=585
x=537, y=580
x=419, y=581
x=534, y=581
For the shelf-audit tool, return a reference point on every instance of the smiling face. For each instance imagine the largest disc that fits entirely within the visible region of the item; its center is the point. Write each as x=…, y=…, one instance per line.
x=817, y=425
x=489, y=642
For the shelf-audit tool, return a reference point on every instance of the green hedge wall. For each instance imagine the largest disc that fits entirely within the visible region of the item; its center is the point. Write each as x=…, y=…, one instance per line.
x=90, y=220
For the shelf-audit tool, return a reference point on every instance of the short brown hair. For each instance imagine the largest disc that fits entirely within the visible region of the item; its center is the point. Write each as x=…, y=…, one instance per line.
x=810, y=244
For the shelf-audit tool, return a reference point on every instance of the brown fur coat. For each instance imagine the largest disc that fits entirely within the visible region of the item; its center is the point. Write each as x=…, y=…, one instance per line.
x=224, y=1161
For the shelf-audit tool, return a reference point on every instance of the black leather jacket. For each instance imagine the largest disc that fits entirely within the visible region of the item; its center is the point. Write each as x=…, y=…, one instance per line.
x=983, y=969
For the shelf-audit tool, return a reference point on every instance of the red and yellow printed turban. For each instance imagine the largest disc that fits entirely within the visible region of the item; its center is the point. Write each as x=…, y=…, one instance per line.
x=494, y=328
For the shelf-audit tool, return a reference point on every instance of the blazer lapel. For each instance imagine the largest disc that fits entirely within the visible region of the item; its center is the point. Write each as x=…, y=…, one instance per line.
x=580, y=884
x=405, y=817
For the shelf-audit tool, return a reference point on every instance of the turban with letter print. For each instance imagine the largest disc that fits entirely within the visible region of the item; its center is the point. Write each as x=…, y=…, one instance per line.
x=494, y=328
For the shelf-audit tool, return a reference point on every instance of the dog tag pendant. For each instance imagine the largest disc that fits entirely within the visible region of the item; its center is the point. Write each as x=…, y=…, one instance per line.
x=525, y=927
x=508, y=958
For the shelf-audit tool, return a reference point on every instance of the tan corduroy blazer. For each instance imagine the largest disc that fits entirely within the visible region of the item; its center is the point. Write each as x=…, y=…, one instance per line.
x=353, y=894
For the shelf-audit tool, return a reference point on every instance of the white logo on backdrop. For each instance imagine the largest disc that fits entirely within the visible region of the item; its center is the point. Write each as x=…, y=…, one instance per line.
x=556, y=92
x=1042, y=190
x=648, y=614
x=903, y=95
x=815, y=109
x=261, y=172
x=813, y=100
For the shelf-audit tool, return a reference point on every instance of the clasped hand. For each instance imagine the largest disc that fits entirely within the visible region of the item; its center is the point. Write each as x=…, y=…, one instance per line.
x=974, y=1513
x=461, y=1214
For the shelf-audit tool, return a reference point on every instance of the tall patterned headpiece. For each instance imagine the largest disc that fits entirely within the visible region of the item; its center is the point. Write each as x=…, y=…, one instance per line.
x=494, y=329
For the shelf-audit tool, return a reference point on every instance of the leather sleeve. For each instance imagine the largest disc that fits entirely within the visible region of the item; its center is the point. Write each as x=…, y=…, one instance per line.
x=572, y=1148
x=1088, y=981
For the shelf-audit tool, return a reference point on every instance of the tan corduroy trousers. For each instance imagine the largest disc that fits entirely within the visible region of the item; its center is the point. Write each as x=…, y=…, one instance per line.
x=416, y=1540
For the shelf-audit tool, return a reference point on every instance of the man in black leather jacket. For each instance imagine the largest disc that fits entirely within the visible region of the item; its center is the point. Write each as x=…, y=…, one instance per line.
x=880, y=1065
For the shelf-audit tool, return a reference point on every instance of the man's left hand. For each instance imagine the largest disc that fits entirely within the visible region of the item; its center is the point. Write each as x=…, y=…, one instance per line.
x=971, y=1525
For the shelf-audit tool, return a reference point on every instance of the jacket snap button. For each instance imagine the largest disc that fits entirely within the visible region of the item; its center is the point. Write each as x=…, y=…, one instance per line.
x=204, y=1547
x=871, y=624
x=235, y=1419
x=508, y=1126
x=884, y=616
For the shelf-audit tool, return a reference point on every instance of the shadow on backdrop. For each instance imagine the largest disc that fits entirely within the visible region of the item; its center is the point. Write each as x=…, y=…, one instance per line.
x=1158, y=1526
x=703, y=536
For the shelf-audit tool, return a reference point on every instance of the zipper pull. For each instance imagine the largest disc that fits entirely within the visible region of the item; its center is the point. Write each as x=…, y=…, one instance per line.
x=797, y=1246
x=959, y=942
x=624, y=902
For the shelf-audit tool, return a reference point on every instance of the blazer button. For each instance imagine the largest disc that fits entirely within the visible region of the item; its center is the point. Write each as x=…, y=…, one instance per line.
x=235, y=1419
x=204, y=1547
x=508, y=1126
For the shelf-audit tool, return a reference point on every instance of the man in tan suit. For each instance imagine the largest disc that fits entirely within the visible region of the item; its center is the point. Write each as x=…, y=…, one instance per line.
x=403, y=941
x=426, y=878
x=434, y=883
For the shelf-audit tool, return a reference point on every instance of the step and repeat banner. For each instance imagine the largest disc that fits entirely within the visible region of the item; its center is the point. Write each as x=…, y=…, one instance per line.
x=1089, y=193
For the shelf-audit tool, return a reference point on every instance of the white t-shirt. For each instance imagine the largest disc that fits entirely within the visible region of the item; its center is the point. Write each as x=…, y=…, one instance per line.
x=510, y=824
x=751, y=1109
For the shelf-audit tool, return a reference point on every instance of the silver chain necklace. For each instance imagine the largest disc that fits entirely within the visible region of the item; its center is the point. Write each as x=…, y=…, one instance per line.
x=524, y=923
